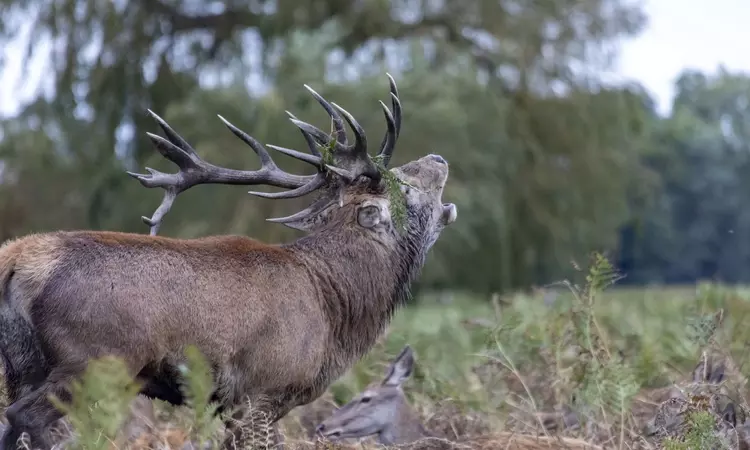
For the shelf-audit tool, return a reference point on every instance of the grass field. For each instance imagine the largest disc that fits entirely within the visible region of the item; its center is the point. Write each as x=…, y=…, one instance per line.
x=487, y=366
x=510, y=360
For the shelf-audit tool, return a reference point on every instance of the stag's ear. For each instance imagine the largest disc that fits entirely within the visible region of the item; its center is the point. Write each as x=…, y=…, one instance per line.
x=400, y=369
x=311, y=217
x=301, y=225
x=370, y=214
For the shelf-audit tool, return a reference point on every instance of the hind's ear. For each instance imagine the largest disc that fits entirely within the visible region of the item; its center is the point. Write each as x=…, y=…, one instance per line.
x=708, y=371
x=700, y=372
x=400, y=369
x=717, y=374
x=729, y=415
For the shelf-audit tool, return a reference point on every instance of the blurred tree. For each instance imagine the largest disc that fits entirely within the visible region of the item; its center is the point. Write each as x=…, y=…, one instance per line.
x=543, y=152
x=698, y=223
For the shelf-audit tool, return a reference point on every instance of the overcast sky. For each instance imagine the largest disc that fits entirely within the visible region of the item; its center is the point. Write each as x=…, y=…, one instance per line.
x=700, y=34
x=697, y=34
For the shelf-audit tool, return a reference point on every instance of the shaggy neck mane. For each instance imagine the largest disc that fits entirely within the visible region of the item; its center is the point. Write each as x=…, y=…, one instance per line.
x=361, y=282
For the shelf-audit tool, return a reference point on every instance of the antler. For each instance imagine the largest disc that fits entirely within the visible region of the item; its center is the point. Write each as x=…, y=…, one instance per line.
x=394, y=124
x=348, y=161
x=194, y=171
x=353, y=157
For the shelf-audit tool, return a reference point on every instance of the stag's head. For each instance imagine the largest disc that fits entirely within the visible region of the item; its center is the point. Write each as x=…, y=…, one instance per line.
x=357, y=193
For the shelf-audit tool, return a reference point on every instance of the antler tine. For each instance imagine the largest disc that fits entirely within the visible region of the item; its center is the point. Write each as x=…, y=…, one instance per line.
x=315, y=159
x=268, y=164
x=396, y=103
x=388, y=145
x=166, y=204
x=193, y=170
x=338, y=123
x=312, y=159
x=315, y=207
x=359, y=149
x=308, y=139
x=350, y=161
x=360, y=144
x=316, y=183
x=171, y=134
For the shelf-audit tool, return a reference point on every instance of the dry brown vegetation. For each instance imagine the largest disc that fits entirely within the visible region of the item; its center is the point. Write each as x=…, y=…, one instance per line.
x=577, y=375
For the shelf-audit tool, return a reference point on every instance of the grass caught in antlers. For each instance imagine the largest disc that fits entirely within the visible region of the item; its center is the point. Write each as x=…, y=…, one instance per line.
x=396, y=197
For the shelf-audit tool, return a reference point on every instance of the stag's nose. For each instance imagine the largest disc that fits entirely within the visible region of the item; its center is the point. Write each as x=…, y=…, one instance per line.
x=438, y=158
x=320, y=428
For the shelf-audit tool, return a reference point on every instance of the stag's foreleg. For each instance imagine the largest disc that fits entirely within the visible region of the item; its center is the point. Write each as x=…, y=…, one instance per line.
x=33, y=413
x=253, y=424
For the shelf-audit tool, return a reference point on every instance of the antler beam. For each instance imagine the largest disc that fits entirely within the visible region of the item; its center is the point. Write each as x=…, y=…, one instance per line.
x=194, y=171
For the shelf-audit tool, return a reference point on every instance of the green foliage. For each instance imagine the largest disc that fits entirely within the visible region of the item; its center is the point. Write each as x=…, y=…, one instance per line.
x=198, y=387
x=327, y=151
x=668, y=193
x=513, y=147
x=701, y=328
x=396, y=198
x=603, y=382
x=630, y=339
x=100, y=402
x=700, y=434
x=693, y=226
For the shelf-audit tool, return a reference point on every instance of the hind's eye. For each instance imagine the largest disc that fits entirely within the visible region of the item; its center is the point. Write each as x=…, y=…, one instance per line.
x=365, y=399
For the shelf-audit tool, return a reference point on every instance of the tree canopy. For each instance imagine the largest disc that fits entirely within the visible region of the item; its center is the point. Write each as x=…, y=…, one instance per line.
x=548, y=162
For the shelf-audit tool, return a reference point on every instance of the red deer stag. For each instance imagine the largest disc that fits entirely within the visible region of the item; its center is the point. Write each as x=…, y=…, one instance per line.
x=278, y=323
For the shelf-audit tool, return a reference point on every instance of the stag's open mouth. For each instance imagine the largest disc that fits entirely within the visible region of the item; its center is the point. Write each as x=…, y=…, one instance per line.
x=450, y=213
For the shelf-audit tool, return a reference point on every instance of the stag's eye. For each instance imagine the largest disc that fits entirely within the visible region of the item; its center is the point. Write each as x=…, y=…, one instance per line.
x=369, y=216
x=365, y=400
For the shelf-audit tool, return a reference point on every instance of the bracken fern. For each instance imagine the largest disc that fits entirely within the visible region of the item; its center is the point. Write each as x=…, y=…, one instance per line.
x=100, y=403
x=603, y=384
x=197, y=387
x=700, y=434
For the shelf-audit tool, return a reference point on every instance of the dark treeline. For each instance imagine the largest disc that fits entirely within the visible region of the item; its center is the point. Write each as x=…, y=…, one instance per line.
x=548, y=162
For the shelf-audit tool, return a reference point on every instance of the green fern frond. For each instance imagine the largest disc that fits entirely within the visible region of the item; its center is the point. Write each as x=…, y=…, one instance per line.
x=100, y=402
x=198, y=388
